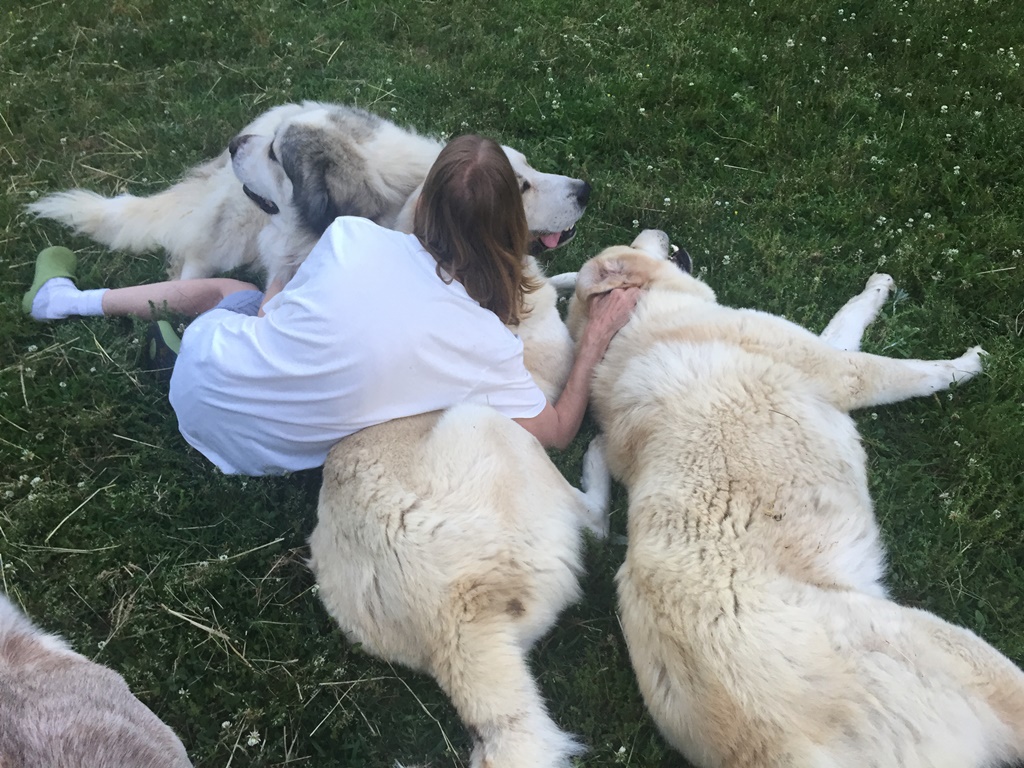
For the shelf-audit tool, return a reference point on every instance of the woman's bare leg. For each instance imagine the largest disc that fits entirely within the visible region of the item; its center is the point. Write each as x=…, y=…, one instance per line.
x=185, y=297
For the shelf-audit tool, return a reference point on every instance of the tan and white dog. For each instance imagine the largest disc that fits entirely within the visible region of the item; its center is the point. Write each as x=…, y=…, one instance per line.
x=751, y=596
x=450, y=542
x=283, y=179
x=58, y=708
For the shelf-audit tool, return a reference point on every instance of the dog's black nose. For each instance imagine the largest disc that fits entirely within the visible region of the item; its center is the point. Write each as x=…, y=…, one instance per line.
x=583, y=194
x=236, y=142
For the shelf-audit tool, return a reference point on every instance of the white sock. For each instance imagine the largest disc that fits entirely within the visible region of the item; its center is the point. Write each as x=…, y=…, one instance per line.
x=59, y=298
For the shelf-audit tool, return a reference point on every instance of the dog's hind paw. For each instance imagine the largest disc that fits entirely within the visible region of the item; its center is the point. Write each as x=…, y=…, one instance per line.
x=968, y=365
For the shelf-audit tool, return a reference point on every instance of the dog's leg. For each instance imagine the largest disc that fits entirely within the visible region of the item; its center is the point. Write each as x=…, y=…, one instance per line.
x=859, y=380
x=597, y=488
x=845, y=330
x=564, y=283
x=484, y=672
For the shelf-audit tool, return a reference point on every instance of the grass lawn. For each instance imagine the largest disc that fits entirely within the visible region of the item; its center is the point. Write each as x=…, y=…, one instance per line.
x=793, y=148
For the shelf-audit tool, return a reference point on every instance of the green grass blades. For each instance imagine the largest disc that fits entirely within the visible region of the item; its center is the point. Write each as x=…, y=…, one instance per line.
x=793, y=148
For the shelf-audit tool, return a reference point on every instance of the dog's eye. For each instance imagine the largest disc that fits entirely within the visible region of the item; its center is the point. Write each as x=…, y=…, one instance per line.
x=524, y=186
x=271, y=155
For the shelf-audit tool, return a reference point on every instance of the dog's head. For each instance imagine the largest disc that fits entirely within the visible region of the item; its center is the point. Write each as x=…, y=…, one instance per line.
x=308, y=163
x=649, y=263
x=553, y=203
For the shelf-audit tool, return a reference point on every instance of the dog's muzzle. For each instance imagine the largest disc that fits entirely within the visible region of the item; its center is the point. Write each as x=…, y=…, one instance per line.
x=267, y=206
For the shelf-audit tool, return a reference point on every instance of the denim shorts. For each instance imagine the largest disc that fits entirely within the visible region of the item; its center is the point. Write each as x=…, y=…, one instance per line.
x=242, y=302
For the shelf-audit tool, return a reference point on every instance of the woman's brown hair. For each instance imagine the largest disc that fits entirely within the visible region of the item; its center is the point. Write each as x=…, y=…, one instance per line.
x=470, y=218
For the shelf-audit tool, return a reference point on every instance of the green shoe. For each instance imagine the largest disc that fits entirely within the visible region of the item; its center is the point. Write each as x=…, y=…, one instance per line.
x=160, y=348
x=55, y=261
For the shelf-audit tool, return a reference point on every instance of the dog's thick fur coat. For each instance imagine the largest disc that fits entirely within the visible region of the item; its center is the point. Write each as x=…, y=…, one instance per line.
x=284, y=178
x=59, y=709
x=450, y=543
x=750, y=597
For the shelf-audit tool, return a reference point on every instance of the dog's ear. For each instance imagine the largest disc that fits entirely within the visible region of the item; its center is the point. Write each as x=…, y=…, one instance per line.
x=610, y=271
x=306, y=169
x=682, y=259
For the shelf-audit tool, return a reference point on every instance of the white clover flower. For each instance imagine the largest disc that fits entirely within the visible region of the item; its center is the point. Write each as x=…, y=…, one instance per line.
x=790, y=43
x=35, y=481
x=254, y=738
x=944, y=109
x=225, y=725
x=32, y=348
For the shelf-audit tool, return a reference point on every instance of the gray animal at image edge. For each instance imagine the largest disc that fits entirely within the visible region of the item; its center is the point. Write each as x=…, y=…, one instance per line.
x=751, y=597
x=58, y=708
x=450, y=542
x=284, y=178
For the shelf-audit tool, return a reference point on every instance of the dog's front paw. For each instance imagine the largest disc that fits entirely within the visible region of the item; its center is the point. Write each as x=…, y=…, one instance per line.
x=597, y=488
x=880, y=282
x=564, y=282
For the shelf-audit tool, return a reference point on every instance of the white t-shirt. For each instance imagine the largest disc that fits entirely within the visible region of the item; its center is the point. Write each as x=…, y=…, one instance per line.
x=364, y=333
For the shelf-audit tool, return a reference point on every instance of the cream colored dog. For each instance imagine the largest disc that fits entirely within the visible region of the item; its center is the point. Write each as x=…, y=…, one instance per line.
x=750, y=596
x=60, y=710
x=450, y=543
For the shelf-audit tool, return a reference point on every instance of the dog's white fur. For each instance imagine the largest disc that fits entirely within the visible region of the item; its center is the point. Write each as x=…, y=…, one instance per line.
x=750, y=596
x=450, y=543
x=58, y=708
x=314, y=161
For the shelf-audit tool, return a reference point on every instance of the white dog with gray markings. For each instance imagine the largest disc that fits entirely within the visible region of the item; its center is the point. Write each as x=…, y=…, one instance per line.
x=284, y=178
x=751, y=596
x=58, y=708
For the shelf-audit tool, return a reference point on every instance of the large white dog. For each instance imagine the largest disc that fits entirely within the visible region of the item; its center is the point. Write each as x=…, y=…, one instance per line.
x=59, y=709
x=750, y=596
x=450, y=543
x=283, y=179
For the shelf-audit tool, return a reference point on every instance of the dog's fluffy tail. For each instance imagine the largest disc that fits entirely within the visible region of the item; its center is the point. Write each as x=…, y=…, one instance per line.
x=204, y=222
x=484, y=672
x=125, y=222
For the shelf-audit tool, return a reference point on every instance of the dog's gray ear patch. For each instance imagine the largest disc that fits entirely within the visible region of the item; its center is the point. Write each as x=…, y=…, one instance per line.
x=682, y=259
x=306, y=164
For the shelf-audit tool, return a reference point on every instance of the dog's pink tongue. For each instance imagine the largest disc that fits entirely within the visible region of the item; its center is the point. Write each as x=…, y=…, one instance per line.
x=551, y=240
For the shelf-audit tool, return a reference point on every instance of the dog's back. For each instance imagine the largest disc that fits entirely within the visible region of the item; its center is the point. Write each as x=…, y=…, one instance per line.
x=59, y=709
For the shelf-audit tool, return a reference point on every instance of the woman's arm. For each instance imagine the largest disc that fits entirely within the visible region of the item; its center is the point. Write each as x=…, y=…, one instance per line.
x=272, y=290
x=557, y=425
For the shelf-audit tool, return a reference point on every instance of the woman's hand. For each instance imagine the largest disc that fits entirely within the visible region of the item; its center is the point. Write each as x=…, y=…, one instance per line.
x=558, y=423
x=608, y=313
